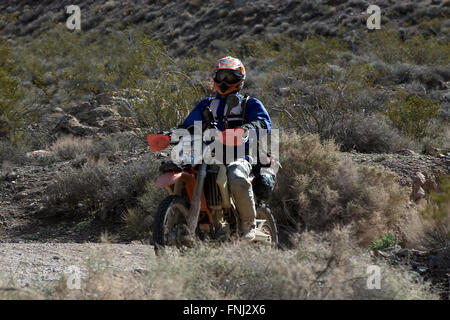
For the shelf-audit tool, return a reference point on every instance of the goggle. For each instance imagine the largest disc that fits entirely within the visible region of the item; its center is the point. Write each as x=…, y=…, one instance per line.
x=229, y=76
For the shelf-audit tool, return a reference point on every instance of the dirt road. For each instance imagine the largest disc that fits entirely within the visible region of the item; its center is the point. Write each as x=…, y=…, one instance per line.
x=24, y=264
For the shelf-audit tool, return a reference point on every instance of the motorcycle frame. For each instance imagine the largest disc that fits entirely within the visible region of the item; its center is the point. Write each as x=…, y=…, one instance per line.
x=190, y=181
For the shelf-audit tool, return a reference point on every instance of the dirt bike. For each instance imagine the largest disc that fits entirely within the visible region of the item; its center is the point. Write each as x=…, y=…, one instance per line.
x=196, y=194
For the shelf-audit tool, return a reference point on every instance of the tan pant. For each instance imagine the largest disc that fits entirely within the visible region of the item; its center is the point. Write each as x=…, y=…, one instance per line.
x=238, y=173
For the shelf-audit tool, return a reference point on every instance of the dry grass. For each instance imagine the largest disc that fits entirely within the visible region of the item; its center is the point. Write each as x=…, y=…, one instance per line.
x=137, y=224
x=325, y=266
x=436, y=232
x=69, y=147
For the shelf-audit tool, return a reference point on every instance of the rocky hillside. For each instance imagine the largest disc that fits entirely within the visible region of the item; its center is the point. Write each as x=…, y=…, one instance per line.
x=199, y=24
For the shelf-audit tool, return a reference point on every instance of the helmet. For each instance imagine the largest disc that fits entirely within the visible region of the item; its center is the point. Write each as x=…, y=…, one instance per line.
x=228, y=75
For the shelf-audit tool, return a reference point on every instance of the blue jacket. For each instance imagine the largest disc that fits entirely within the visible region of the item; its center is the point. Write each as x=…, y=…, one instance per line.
x=256, y=116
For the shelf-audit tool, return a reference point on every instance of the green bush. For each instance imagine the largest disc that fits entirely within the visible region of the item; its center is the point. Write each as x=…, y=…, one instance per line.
x=389, y=47
x=386, y=241
x=439, y=208
x=412, y=114
x=167, y=102
x=290, y=53
x=11, y=112
x=87, y=63
x=344, y=106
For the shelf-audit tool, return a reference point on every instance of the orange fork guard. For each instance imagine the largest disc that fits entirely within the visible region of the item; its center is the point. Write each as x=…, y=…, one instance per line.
x=189, y=182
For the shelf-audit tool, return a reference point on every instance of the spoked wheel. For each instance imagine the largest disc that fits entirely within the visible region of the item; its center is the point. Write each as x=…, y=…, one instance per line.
x=170, y=228
x=269, y=228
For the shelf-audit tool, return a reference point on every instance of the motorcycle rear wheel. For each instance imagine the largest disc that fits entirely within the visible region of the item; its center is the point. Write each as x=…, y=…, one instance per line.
x=270, y=226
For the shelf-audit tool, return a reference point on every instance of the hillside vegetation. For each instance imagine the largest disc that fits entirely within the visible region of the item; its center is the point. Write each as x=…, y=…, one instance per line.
x=76, y=106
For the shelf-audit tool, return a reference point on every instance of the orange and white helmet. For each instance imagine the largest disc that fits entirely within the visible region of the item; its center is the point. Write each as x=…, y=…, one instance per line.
x=228, y=75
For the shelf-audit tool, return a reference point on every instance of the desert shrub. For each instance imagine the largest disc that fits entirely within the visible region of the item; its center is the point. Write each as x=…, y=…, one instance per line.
x=290, y=53
x=167, y=103
x=319, y=188
x=437, y=213
x=151, y=197
x=128, y=185
x=69, y=147
x=436, y=233
x=434, y=26
x=11, y=153
x=85, y=64
x=402, y=73
x=104, y=191
x=342, y=107
x=138, y=221
x=412, y=114
x=137, y=224
x=77, y=191
x=443, y=72
x=123, y=141
x=429, y=77
x=404, y=8
x=431, y=12
x=367, y=133
x=82, y=65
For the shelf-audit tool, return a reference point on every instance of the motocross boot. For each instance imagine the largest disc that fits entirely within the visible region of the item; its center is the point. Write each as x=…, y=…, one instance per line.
x=248, y=232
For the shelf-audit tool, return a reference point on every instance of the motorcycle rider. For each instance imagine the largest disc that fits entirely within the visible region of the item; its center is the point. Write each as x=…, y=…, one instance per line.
x=244, y=112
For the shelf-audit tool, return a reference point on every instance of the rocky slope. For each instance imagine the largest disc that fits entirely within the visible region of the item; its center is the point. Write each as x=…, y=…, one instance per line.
x=195, y=24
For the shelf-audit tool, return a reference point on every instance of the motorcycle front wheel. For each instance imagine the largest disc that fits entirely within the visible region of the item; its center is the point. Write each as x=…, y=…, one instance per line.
x=170, y=227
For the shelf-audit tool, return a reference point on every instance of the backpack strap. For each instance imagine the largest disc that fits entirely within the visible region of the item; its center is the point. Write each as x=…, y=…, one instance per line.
x=244, y=104
x=205, y=111
x=244, y=100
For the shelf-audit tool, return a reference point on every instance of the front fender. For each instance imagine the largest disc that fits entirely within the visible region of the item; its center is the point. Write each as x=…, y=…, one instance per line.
x=168, y=179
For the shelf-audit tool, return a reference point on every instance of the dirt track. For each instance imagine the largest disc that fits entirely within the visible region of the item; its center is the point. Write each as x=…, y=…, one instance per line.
x=24, y=264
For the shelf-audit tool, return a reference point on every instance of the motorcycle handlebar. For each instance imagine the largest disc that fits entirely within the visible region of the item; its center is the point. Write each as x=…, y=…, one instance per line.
x=229, y=137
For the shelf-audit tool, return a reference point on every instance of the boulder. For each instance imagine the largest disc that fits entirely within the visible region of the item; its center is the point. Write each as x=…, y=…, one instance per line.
x=39, y=154
x=418, y=181
x=284, y=92
x=407, y=152
x=70, y=124
x=93, y=116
